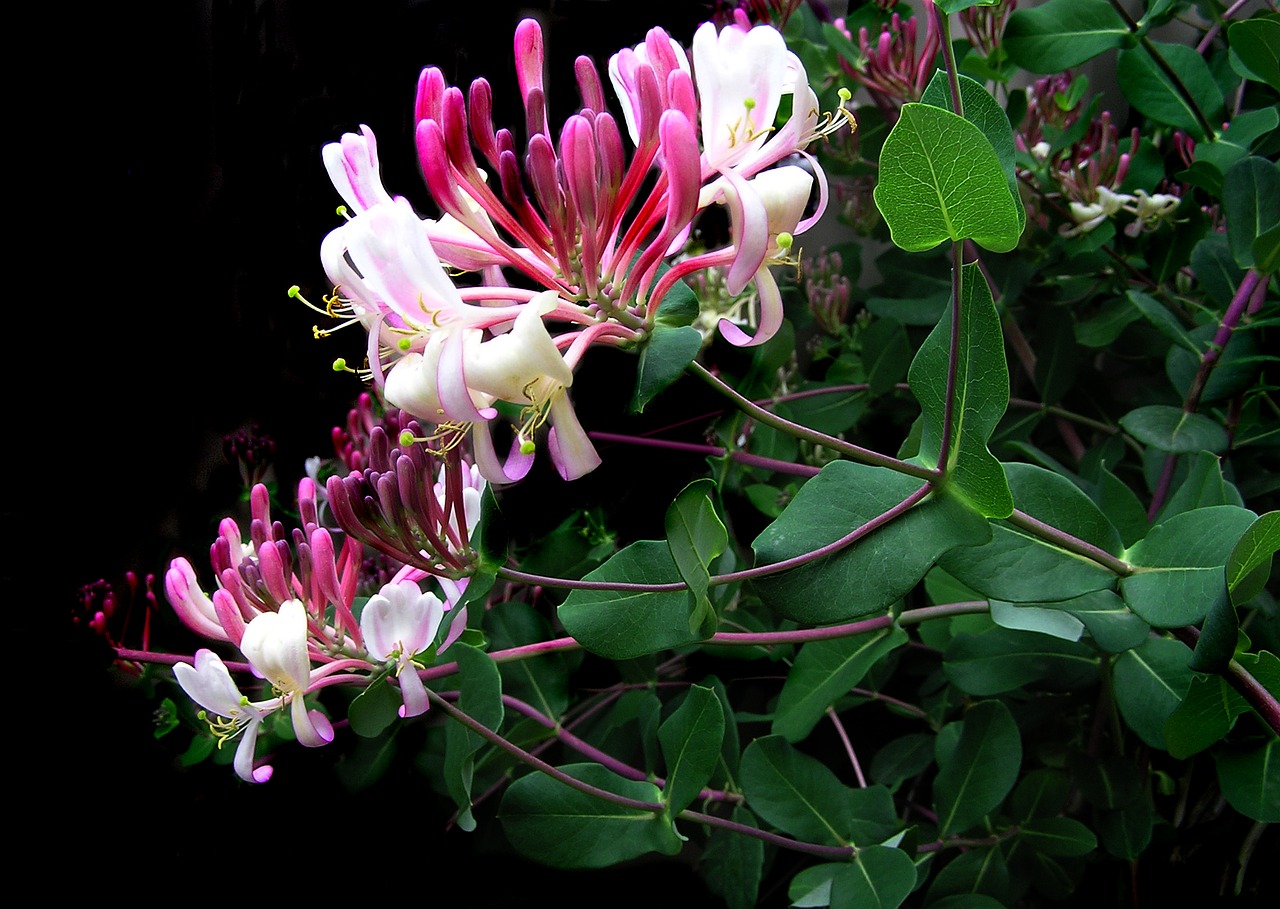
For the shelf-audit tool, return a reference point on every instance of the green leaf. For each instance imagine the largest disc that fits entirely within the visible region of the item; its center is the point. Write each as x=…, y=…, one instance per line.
x=1205, y=715
x=1041, y=793
x=1236, y=141
x=1002, y=660
x=1165, y=321
x=691, y=739
x=1149, y=683
x=1060, y=836
x=1250, y=779
x=1254, y=53
x=663, y=359
x=696, y=536
x=1174, y=430
x=1203, y=173
x=1105, y=326
x=1107, y=780
x=1149, y=89
x=1251, y=204
x=1179, y=566
x=1020, y=568
x=880, y=876
x=975, y=872
x=926, y=198
x=902, y=759
x=885, y=351
x=543, y=680
x=1249, y=565
x=974, y=475
x=732, y=863
x=984, y=112
x=621, y=624
x=1126, y=832
x=555, y=824
x=881, y=567
x=825, y=671
x=1203, y=486
x=1219, y=636
x=671, y=347
x=1055, y=623
x=480, y=697
x=1061, y=34
x=801, y=796
x=1266, y=251
x=975, y=778
x=374, y=709
x=1215, y=268
x=1113, y=626
x=956, y=6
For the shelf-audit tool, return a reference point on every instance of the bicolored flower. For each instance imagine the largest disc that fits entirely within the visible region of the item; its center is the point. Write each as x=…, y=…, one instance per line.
x=228, y=712
x=398, y=622
x=275, y=643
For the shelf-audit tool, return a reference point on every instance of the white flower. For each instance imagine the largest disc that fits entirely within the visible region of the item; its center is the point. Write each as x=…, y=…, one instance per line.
x=398, y=622
x=275, y=643
x=210, y=685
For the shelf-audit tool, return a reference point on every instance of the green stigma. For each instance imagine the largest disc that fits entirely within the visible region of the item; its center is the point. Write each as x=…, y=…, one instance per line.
x=844, y=94
x=406, y=438
x=785, y=240
x=404, y=344
x=527, y=447
x=340, y=365
x=294, y=291
x=749, y=103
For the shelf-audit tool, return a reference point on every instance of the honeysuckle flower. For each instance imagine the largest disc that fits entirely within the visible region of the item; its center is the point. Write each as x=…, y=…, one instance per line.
x=274, y=566
x=1149, y=211
x=275, y=643
x=524, y=367
x=229, y=712
x=413, y=503
x=193, y=606
x=575, y=217
x=398, y=622
x=893, y=70
x=1089, y=216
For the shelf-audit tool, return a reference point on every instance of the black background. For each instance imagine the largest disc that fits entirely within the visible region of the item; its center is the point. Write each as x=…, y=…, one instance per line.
x=195, y=196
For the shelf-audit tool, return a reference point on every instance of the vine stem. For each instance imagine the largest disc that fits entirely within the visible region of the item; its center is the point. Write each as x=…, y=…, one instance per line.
x=1253, y=691
x=1250, y=286
x=760, y=415
x=712, y=451
x=1051, y=534
x=537, y=763
x=1170, y=73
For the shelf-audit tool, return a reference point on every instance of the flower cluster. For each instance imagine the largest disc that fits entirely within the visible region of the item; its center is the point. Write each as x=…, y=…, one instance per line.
x=572, y=242
x=286, y=601
x=892, y=68
x=1089, y=172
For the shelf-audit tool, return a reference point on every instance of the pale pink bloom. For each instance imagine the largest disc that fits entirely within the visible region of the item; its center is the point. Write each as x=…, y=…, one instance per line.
x=398, y=622
x=210, y=685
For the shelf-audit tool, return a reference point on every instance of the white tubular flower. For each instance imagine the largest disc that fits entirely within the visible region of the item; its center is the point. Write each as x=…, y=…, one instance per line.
x=741, y=75
x=275, y=643
x=398, y=622
x=210, y=685
x=524, y=367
